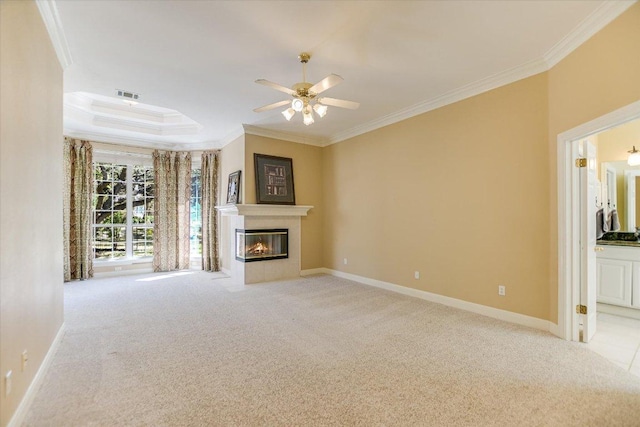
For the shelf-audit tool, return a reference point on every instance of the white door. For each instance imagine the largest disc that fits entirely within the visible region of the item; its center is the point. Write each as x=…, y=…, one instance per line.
x=588, y=190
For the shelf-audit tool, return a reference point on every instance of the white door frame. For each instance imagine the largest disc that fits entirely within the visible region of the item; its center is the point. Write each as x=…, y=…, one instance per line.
x=569, y=216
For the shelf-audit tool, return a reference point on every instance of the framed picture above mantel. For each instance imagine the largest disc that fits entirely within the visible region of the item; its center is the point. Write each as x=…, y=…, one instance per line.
x=274, y=180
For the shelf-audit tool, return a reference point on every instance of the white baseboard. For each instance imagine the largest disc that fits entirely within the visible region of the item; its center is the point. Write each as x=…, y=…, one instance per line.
x=555, y=329
x=496, y=313
x=312, y=271
x=122, y=272
x=226, y=271
x=632, y=313
x=27, y=399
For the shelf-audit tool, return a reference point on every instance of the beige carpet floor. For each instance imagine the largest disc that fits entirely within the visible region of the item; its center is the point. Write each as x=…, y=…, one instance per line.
x=193, y=350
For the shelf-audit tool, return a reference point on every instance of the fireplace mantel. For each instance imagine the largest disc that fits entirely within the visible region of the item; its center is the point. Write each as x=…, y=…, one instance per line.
x=264, y=210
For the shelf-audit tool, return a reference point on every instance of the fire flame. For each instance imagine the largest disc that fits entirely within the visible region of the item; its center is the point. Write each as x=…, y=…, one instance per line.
x=258, y=249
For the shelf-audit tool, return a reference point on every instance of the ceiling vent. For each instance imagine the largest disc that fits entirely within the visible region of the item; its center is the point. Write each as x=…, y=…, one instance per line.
x=128, y=95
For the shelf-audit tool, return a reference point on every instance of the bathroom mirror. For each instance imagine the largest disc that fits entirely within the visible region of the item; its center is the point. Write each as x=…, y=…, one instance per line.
x=622, y=195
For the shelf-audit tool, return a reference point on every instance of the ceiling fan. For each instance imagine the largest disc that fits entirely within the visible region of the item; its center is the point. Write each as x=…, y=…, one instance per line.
x=305, y=94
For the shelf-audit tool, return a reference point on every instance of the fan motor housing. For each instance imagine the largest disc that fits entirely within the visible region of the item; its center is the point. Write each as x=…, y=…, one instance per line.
x=302, y=90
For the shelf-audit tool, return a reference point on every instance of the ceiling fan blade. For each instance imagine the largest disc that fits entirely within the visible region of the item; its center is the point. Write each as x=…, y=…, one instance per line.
x=272, y=106
x=276, y=86
x=339, y=103
x=328, y=82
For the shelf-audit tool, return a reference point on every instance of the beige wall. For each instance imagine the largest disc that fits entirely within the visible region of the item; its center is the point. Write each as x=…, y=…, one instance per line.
x=31, y=290
x=458, y=194
x=307, y=168
x=614, y=144
x=600, y=76
x=231, y=160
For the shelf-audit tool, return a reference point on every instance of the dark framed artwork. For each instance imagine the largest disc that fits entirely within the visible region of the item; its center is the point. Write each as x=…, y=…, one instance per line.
x=274, y=180
x=233, y=189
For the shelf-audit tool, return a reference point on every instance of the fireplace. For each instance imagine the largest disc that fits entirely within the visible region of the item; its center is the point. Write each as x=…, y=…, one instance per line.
x=262, y=245
x=262, y=218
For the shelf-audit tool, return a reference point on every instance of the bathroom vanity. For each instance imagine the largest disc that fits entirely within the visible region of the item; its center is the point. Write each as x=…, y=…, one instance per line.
x=618, y=273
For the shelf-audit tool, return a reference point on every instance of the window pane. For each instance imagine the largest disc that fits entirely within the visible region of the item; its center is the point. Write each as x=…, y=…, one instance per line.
x=118, y=173
x=119, y=250
x=119, y=217
x=138, y=174
x=119, y=234
x=103, y=217
x=103, y=188
x=102, y=242
x=120, y=188
x=139, y=249
x=138, y=233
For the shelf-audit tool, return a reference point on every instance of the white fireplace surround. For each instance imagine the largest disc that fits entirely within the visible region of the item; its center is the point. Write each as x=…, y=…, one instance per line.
x=258, y=217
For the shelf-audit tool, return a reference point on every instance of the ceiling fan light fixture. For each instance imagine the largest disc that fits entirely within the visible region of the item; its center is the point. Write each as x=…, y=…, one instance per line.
x=307, y=117
x=289, y=113
x=321, y=110
x=297, y=104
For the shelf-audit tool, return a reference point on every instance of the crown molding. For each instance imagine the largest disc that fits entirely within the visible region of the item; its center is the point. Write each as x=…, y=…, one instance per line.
x=139, y=141
x=49, y=12
x=285, y=136
x=464, y=92
x=597, y=20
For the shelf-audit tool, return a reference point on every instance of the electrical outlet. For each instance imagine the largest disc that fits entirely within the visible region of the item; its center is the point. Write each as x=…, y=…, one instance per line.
x=501, y=290
x=118, y=268
x=345, y=261
x=7, y=384
x=416, y=275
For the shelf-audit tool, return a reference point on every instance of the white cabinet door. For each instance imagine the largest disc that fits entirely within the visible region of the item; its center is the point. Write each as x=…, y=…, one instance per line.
x=613, y=282
x=635, y=291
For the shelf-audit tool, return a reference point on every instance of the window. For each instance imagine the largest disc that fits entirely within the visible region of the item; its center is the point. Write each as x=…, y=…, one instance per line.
x=123, y=211
x=195, y=234
x=142, y=203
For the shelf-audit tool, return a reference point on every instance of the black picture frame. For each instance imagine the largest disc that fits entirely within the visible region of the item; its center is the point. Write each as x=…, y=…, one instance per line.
x=274, y=180
x=233, y=188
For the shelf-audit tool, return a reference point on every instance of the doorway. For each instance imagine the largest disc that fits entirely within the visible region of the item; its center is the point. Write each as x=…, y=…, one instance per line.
x=572, y=261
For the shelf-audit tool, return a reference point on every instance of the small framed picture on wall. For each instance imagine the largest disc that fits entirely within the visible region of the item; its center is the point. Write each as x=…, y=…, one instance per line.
x=233, y=190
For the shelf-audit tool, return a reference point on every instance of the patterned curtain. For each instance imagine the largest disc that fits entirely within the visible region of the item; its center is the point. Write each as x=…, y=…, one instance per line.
x=210, y=257
x=171, y=210
x=77, y=209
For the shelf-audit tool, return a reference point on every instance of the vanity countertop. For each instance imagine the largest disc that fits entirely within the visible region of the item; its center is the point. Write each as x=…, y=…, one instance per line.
x=617, y=243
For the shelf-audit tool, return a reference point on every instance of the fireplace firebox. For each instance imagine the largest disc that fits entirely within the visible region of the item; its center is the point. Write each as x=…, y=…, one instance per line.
x=262, y=245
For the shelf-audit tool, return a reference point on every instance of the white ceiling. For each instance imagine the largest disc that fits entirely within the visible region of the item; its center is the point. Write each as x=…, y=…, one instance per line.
x=398, y=58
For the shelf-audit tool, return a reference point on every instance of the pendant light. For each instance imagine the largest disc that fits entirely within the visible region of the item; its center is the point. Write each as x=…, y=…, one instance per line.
x=634, y=157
